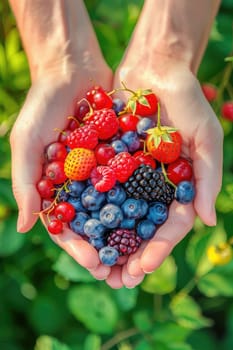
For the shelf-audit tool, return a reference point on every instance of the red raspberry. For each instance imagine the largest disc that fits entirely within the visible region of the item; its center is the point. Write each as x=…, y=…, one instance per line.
x=123, y=165
x=103, y=178
x=84, y=137
x=125, y=241
x=105, y=122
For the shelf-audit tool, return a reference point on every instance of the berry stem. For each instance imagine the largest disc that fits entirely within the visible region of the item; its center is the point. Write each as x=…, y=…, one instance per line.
x=166, y=177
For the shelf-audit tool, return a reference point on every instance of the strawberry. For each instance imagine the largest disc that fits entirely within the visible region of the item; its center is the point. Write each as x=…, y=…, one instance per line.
x=79, y=164
x=163, y=142
x=142, y=102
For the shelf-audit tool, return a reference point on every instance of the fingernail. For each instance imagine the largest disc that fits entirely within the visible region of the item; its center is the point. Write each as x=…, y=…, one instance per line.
x=148, y=272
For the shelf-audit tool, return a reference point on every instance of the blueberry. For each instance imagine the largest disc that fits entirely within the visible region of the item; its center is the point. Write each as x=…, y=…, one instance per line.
x=77, y=204
x=132, y=141
x=143, y=125
x=185, y=192
x=116, y=195
x=108, y=255
x=75, y=188
x=98, y=243
x=146, y=229
x=128, y=223
x=93, y=228
x=62, y=195
x=77, y=224
x=158, y=213
x=131, y=208
x=111, y=215
x=118, y=105
x=144, y=207
x=92, y=199
x=119, y=146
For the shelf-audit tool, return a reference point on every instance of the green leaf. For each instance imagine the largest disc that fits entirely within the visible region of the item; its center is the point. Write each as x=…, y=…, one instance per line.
x=94, y=308
x=92, y=342
x=162, y=280
x=10, y=240
x=126, y=298
x=67, y=267
x=142, y=320
x=196, y=251
x=229, y=59
x=46, y=315
x=12, y=43
x=143, y=101
x=170, y=332
x=46, y=342
x=218, y=281
x=131, y=105
x=187, y=312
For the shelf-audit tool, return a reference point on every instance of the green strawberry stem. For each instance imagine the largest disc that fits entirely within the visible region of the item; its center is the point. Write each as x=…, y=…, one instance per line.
x=166, y=177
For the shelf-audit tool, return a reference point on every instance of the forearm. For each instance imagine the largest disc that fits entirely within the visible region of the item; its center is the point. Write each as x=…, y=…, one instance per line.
x=54, y=33
x=175, y=30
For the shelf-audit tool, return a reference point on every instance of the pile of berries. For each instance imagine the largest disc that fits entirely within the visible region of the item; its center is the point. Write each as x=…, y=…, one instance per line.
x=113, y=173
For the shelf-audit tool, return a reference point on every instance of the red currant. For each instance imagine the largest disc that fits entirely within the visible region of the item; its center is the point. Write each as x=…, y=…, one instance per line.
x=64, y=212
x=45, y=188
x=210, y=92
x=56, y=151
x=104, y=152
x=63, y=136
x=98, y=98
x=55, y=172
x=55, y=226
x=81, y=110
x=128, y=122
x=143, y=158
x=179, y=170
x=227, y=110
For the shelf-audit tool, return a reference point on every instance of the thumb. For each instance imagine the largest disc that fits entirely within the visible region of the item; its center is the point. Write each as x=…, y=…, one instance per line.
x=26, y=170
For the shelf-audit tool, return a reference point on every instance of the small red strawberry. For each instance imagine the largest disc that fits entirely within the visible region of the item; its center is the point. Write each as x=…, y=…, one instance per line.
x=105, y=122
x=98, y=98
x=123, y=165
x=79, y=164
x=163, y=142
x=85, y=136
x=142, y=102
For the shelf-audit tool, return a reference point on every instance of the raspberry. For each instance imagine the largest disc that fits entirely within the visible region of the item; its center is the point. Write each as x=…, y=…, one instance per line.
x=103, y=178
x=123, y=165
x=79, y=164
x=105, y=122
x=125, y=241
x=86, y=136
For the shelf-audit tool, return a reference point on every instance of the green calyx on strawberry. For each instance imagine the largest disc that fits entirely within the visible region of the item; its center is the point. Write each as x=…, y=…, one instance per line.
x=142, y=102
x=163, y=142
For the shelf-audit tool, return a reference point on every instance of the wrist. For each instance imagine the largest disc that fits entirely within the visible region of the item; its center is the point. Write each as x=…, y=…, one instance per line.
x=170, y=30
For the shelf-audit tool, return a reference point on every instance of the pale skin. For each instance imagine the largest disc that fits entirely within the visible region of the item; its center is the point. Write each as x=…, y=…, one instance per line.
x=164, y=54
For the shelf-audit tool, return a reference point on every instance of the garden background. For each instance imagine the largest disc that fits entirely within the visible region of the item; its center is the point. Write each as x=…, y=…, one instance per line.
x=47, y=301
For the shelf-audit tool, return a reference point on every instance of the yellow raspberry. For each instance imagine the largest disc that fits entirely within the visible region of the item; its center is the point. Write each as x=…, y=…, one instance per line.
x=79, y=163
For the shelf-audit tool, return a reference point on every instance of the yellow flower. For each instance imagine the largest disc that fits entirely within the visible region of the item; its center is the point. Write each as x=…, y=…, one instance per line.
x=220, y=254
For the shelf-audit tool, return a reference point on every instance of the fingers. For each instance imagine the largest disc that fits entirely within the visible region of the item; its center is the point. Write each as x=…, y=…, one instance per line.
x=26, y=169
x=153, y=253
x=207, y=164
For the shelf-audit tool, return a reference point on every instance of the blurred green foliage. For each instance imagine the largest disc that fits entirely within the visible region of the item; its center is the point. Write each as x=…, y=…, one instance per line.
x=48, y=302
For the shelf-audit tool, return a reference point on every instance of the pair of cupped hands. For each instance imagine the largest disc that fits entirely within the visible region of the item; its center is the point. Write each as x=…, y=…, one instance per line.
x=52, y=97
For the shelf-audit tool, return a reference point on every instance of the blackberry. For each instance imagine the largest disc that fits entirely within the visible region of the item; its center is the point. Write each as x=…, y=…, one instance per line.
x=125, y=241
x=149, y=184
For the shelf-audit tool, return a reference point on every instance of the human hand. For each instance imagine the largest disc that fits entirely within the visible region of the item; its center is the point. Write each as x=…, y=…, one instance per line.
x=184, y=107
x=50, y=99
